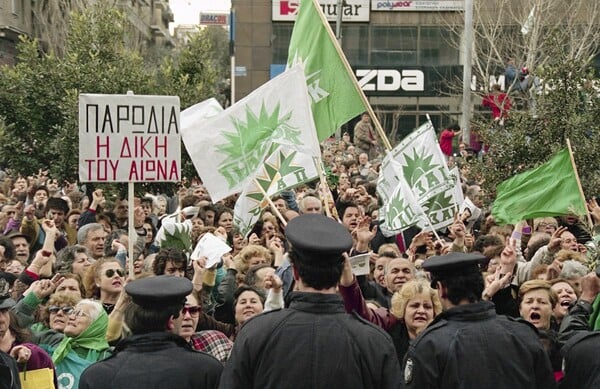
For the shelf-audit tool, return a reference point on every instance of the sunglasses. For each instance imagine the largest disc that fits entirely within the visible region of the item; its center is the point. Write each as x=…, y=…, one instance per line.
x=192, y=310
x=79, y=313
x=111, y=272
x=54, y=309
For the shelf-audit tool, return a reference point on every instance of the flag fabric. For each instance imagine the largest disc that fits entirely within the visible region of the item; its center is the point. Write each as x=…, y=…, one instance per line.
x=196, y=114
x=333, y=90
x=548, y=190
x=528, y=24
x=457, y=195
x=228, y=149
x=422, y=165
x=283, y=169
x=401, y=209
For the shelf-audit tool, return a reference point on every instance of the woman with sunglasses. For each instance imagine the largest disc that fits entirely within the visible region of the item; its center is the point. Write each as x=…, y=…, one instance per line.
x=82, y=343
x=104, y=281
x=212, y=342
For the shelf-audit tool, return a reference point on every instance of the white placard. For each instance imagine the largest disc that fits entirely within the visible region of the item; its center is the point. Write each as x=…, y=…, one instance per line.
x=212, y=248
x=360, y=264
x=129, y=138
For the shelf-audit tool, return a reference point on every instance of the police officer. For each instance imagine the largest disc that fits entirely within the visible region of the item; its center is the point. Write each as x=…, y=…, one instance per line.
x=154, y=357
x=468, y=345
x=313, y=343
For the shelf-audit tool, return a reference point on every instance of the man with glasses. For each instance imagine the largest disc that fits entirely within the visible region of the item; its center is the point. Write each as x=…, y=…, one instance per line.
x=154, y=356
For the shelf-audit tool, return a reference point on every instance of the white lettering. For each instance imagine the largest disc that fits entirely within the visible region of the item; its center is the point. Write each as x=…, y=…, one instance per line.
x=390, y=80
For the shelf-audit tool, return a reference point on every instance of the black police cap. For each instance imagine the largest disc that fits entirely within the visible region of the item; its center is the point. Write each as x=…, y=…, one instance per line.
x=317, y=237
x=453, y=263
x=159, y=291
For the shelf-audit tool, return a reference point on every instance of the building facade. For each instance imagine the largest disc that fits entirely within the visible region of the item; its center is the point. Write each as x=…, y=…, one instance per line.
x=400, y=52
x=149, y=19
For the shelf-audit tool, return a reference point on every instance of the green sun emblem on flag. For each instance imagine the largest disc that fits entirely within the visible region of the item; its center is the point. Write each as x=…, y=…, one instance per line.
x=439, y=202
x=417, y=166
x=246, y=147
x=273, y=174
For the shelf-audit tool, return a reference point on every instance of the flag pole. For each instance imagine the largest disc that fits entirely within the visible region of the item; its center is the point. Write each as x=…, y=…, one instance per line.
x=591, y=223
x=318, y=163
x=268, y=198
x=364, y=99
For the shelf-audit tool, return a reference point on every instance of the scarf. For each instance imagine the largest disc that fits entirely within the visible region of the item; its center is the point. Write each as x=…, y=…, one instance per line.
x=93, y=339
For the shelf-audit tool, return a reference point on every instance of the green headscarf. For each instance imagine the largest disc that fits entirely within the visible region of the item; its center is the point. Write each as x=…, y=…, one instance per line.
x=92, y=340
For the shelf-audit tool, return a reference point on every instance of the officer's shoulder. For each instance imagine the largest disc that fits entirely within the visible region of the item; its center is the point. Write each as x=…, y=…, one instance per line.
x=432, y=330
x=205, y=357
x=519, y=320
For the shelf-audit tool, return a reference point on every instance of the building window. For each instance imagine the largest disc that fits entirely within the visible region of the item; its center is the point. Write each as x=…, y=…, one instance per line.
x=282, y=33
x=393, y=46
x=437, y=46
x=355, y=43
x=15, y=7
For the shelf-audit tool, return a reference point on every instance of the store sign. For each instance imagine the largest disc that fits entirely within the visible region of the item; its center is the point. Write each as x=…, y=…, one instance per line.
x=418, y=5
x=352, y=11
x=214, y=19
x=391, y=80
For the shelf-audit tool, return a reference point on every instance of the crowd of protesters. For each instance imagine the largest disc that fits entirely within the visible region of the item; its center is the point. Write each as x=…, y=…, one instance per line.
x=65, y=264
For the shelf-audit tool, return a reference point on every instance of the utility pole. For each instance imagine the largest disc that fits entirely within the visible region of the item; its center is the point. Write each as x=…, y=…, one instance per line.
x=467, y=66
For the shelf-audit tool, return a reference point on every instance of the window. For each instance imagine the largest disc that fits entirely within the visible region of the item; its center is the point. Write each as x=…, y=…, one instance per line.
x=393, y=46
x=437, y=46
x=355, y=41
x=282, y=33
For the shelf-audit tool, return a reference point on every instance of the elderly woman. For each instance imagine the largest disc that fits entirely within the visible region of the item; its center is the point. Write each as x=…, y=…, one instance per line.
x=82, y=343
x=55, y=314
x=413, y=307
x=73, y=259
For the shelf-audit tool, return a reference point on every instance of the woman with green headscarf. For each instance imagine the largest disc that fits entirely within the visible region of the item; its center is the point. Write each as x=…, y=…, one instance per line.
x=83, y=343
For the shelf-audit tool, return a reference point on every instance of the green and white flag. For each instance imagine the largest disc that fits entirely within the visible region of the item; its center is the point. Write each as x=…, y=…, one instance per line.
x=283, y=169
x=228, y=149
x=420, y=162
x=333, y=90
x=401, y=209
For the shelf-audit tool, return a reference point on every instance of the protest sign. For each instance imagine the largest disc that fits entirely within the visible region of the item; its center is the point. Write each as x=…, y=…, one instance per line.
x=129, y=138
x=360, y=264
x=212, y=248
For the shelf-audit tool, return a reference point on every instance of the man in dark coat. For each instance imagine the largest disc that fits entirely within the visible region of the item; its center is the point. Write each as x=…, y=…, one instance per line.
x=313, y=343
x=154, y=357
x=468, y=345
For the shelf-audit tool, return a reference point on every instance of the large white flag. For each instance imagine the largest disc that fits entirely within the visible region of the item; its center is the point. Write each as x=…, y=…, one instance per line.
x=420, y=162
x=283, y=169
x=194, y=116
x=228, y=149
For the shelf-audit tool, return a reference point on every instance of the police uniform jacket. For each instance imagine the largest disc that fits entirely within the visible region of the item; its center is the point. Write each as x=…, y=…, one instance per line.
x=154, y=360
x=582, y=366
x=469, y=346
x=312, y=344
